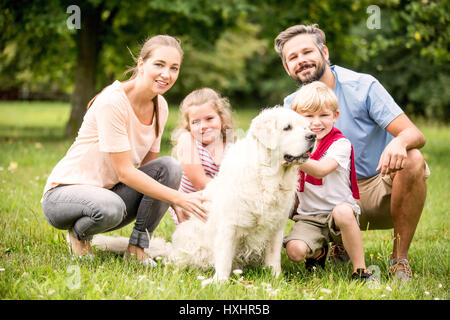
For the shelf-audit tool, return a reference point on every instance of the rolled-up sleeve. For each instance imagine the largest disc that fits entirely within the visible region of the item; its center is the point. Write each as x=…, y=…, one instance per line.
x=381, y=106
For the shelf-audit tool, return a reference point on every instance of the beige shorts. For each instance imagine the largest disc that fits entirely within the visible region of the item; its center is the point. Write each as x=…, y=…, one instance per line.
x=316, y=230
x=375, y=201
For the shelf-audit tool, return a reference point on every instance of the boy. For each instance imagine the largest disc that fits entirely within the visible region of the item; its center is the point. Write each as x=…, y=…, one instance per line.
x=327, y=209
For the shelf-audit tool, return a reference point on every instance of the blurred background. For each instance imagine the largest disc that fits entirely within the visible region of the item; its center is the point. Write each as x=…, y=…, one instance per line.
x=228, y=44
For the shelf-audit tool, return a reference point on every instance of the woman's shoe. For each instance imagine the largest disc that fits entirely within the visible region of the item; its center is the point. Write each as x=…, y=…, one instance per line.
x=137, y=253
x=75, y=256
x=149, y=263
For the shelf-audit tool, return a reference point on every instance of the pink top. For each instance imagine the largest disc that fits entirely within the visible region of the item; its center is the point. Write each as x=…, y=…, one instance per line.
x=110, y=125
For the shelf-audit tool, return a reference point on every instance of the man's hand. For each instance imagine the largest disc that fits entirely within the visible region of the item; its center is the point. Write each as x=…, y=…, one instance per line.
x=407, y=137
x=393, y=158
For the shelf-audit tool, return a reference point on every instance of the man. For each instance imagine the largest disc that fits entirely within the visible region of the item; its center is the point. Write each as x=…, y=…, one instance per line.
x=383, y=137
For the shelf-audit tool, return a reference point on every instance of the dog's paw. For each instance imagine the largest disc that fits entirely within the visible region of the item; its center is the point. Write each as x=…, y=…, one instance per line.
x=275, y=270
x=214, y=280
x=207, y=282
x=276, y=274
x=217, y=278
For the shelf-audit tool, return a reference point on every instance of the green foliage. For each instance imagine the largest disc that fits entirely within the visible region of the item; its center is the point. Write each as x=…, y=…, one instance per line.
x=39, y=49
x=409, y=55
x=229, y=45
x=223, y=66
x=35, y=47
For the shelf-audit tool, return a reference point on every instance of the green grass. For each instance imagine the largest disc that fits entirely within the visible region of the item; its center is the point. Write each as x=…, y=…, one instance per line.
x=35, y=263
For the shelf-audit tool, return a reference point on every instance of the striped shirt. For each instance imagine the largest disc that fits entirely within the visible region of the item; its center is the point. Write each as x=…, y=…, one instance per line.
x=208, y=164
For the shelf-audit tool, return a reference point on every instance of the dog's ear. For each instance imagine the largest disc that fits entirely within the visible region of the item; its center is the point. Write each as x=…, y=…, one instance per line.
x=264, y=129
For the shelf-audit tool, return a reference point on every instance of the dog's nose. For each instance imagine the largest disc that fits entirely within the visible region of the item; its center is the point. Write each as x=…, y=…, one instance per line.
x=310, y=136
x=289, y=158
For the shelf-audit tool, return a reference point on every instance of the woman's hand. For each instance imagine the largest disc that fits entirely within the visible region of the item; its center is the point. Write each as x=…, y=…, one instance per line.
x=180, y=213
x=191, y=204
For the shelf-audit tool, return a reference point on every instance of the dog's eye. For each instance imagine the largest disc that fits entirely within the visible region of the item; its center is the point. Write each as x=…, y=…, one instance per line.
x=287, y=128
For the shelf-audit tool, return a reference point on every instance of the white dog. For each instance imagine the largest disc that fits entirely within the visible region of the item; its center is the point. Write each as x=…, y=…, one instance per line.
x=249, y=201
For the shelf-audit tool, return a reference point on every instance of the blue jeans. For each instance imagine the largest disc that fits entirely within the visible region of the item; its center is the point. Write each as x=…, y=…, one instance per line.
x=89, y=210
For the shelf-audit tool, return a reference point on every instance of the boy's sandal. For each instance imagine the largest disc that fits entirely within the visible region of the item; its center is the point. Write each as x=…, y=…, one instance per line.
x=312, y=263
x=338, y=253
x=362, y=275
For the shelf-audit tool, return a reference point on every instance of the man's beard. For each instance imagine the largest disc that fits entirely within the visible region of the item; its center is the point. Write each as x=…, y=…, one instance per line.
x=317, y=74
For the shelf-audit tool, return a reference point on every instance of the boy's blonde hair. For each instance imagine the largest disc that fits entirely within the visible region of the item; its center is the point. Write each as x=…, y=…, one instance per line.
x=315, y=97
x=201, y=96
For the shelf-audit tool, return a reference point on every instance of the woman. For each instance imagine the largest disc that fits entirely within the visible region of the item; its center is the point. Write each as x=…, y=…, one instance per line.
x=98, y=187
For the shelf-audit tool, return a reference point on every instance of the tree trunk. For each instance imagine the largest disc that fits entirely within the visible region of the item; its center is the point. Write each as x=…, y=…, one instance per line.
x=88, y=40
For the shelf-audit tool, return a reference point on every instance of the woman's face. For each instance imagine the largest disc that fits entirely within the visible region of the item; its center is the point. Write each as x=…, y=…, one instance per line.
x=160, y=71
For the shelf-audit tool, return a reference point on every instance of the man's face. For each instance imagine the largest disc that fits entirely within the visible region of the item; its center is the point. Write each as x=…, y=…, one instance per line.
x=304, y=62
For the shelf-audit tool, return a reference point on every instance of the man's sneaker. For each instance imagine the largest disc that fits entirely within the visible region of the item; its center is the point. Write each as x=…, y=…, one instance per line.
x=338, y=253
x=362, y=275
x=400, y=269
x=311, y=263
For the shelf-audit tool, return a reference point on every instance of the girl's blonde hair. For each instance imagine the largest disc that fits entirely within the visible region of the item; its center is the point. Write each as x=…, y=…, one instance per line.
x=201, y=96
x=315, y=97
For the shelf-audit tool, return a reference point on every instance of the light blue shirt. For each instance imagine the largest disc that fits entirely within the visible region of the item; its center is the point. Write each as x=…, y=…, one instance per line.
x=365, y=109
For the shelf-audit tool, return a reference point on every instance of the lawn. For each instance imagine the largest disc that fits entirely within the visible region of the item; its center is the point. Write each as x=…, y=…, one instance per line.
x=35, y=264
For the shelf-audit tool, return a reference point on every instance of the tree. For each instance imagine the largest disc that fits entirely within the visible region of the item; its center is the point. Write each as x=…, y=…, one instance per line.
x=269, y=81
x=114, y=23
x=35, y=45
x=409, y=54
x=228, y=46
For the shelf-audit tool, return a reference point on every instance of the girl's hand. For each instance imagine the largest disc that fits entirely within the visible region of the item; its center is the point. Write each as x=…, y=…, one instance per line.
x=191, y=204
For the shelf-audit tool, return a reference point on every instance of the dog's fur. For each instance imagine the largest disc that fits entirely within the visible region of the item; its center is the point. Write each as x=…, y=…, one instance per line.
x=248, y=201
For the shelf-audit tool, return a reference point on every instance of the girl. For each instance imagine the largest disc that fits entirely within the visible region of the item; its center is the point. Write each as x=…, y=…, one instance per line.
x=111, y=175
x=201, y=141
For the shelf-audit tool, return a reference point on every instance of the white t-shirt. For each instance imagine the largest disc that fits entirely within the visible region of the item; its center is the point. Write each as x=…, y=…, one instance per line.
x=110, y=125
x=335, y=188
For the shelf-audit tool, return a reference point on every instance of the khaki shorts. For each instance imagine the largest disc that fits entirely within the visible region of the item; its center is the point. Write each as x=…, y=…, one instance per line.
x=316, y=230
x=375, y=201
